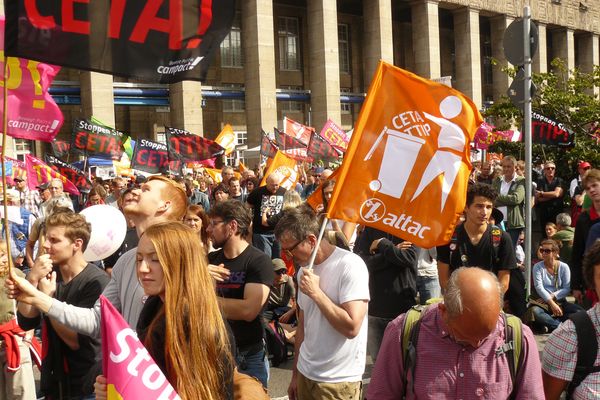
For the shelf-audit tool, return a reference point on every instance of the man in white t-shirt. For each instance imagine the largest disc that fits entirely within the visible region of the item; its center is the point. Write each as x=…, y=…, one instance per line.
x=333, y=296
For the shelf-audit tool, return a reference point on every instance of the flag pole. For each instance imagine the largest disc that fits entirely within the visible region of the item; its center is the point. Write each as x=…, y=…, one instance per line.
x=311, y=262
x=3, y=156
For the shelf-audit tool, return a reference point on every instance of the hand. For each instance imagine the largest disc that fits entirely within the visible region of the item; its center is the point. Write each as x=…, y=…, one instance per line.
x=218, y=272
x=100, y=387
x=320, y=209
x=578, y=294
x=41, y=268
x=555, y=308
x=404, y=245
x=20, y=289
x=47, y=285
x=374, y=245
x=309, y=284
x=285, y=317
x=293, y=388
x=266, y=211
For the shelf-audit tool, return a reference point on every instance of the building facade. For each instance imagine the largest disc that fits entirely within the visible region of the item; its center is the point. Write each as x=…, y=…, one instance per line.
x=312, y=60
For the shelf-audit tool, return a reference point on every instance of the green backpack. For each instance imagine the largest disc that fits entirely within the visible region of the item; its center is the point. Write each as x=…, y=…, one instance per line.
x=513, y=343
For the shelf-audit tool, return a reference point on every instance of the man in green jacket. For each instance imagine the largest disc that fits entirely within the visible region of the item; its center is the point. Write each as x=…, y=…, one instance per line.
x=511, y=198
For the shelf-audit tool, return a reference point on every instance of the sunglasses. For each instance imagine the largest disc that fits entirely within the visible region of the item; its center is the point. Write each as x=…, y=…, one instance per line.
x=280, y=272
x=550, y=167
x=546, y=251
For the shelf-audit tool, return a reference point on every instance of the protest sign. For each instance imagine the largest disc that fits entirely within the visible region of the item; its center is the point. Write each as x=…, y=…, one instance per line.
x=95, y=140
x=153, y=157
x=550, y=132
x=39, y=172
x=335, y=135
x=187, y=147
x=72, y=173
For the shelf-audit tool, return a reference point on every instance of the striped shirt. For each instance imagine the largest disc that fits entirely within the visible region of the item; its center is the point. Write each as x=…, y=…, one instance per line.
x=446, y=369
x=560, y=357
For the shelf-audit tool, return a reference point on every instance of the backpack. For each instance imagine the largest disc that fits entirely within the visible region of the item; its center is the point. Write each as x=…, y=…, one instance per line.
x=513, y=343
x=461, y=248
x=276, y=343
x=587, y=349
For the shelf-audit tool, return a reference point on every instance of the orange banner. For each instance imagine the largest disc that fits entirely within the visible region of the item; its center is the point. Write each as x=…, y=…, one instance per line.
x=287, y=167
x=226, y=139
x=407, y=165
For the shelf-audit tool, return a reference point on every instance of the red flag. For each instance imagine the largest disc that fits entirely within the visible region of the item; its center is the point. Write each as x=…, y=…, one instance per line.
x=267, y=147
x=38, y=172
x=297, y=130
x=287, y=142
x=73, y=174
x=320, y=149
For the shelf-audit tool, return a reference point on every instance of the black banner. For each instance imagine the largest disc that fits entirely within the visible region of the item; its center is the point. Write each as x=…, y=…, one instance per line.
x=287, y=142
x=546, y=131
x=96, y=140
x=320, y=149
x=73, y=174
x=267, y=147
x=60, y=148
x=155, y=40
x=187, y=147
x=153, y=157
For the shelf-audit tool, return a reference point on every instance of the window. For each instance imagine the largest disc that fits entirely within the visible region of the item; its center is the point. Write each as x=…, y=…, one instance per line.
x=289, y=44
x=344, y=48
x=22, y=147
x=240, y=139
x=291, y=106
x=231, y=47
x=346, y=107
x=234, y=105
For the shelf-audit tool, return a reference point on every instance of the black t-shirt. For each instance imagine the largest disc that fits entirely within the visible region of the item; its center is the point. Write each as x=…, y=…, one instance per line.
x=544, y=186
x=260, y=199
x=480, y=255
x=251, y=266
x=62, y=365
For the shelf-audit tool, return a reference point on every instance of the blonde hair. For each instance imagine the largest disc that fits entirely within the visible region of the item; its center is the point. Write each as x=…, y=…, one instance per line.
x=291, y=199
x=197, y=351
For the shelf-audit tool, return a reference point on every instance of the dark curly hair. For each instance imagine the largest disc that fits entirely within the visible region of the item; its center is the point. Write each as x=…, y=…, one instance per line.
x=482, y=190
x=590, y=262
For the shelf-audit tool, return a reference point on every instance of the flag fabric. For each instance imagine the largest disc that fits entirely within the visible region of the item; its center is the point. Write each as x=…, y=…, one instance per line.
x=320, y=149
x=60, y=148
x=242, y=167
x=287, y=142
x=39, y=172
x=187, y=147
x=297, y=130
x=158, y=41
x=72, y=173
x=335, y=135
x=316, y=198
x=19, y=170
x=95, y=140
x=547, y=131
x=407, y=165
x=287, y=167
x=226, y=139
x=153, y=157
x=32, y=112
x=267, y=147
x=127, y=377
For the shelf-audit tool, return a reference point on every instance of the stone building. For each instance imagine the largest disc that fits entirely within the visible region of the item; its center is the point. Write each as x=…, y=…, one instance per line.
x=311, y=60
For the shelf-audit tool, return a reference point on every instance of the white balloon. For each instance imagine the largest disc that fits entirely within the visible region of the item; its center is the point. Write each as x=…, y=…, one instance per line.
x=108, y=231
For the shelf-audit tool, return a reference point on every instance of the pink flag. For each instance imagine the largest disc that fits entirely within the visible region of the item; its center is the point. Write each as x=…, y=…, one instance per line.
x=18, y=170
x=38, y=172
x=130, y=372
x=335, y=135
x=32, y=112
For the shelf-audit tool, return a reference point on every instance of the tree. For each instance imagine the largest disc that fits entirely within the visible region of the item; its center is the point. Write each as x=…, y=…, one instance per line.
x=565, y=98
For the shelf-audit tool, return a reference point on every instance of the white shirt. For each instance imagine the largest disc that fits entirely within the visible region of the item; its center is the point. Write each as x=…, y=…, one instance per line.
x=504, y=188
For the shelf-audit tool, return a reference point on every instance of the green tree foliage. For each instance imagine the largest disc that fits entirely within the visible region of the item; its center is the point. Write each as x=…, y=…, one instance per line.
x=568, y=99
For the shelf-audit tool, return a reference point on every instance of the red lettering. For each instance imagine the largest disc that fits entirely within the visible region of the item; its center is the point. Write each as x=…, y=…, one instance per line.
x=117, y=9
x=174, y=140
x=36, y=19
x=69, y=23
x=114, y=146
x=80, y=140
x=149, y=21
x=91, y=142
x=205, y=21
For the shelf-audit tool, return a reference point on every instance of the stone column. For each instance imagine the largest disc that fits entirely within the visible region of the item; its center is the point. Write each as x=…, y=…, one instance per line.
x=426, y=38
x=259, y=67
x=468, y=59
x=186, y=106
x=540, y=59
x=97, y=97
x=563, y=41
x=501, y=81
x=324, y=62
x=589, y=54
x=379, y=43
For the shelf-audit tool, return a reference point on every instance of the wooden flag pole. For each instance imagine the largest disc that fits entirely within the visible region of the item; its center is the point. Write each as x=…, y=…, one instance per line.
x=314, y=253
x=2, y=156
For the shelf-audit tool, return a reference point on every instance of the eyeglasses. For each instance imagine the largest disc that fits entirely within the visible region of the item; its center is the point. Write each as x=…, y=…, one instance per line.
x=291, y=249
x=550, y=168
x=280, y=272
x=546, y=251
x=215, y=223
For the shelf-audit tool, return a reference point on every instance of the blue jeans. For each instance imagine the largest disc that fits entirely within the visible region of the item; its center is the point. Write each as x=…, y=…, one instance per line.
x=266, y=243
x=545, y=318
x=428, y=287
x=256, y=365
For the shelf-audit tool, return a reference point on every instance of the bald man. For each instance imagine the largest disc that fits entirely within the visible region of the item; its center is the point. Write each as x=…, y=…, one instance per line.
x=459, y=350
x=266, y=199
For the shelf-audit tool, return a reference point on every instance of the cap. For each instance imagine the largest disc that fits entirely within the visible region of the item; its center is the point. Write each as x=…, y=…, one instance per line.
x=44, y=186
x=584, y=164
x=318, y=170
x=278, y=264
x=498, y=216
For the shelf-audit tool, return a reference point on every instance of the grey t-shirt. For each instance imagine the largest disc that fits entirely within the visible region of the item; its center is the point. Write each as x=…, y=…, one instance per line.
x=123, y=291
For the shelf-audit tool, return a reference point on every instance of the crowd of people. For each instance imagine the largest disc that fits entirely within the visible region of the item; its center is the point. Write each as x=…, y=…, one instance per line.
x=208, y=266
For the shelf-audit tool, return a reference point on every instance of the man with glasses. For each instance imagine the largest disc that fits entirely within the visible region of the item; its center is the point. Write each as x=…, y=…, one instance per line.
x=28, y=199
x=57, y=190
x=549, y=196
x=244, y=277
x=117, y=186
x=331, y=338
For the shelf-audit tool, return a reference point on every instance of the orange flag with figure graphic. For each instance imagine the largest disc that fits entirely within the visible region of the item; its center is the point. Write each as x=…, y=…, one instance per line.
x=407, y=165
x=226, y=139
x=287, y=167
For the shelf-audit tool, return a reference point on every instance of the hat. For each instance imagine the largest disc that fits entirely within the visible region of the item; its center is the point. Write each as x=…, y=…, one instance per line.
x=44, y=186
x=318, y=170
x=140, y=179
x=278, y=264
x=584, y=164
x=498, y=216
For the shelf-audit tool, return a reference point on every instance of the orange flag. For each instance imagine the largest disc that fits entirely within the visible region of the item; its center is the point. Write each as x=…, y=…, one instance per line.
x=242, y=167
x=226, y=139
x=286, y=166
x=407, y=165
x=316, y=197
